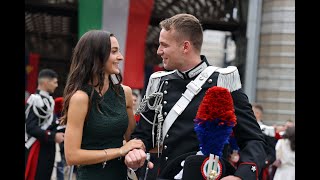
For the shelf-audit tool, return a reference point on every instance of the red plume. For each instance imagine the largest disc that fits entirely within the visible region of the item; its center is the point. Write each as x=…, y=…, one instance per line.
x=58, y=105
x=217, y=104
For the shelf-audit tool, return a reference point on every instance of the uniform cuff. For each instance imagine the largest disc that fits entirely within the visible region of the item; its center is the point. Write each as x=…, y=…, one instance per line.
x=247, y=171
x=50, y=136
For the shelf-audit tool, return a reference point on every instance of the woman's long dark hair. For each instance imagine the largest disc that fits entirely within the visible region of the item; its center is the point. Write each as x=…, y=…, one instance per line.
x=291, y=135
x=88, y=62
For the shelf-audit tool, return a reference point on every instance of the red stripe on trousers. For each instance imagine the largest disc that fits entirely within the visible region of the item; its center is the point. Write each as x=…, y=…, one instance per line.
x=32, y=162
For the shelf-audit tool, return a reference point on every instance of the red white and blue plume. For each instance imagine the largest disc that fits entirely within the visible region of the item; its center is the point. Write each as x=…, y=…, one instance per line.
x=214, y=120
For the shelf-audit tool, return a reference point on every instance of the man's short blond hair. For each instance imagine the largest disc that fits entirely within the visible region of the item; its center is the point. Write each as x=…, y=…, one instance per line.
x=187, y=27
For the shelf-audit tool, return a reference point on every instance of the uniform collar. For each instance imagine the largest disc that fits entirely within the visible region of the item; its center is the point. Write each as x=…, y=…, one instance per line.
x=44, y=93
x=196, y=70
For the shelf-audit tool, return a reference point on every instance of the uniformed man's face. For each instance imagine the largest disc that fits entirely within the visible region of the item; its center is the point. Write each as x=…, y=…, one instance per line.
x=51, y=84
x=112, y=66
x=257, y=112
x=170, y=50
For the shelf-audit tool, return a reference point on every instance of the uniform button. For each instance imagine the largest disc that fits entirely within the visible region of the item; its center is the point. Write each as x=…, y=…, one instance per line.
x=167, y=135
x=165, y=146
x=166, y=158
x=165, y=92
x=166, y=82
x=164, y=102
x=165, y=113
x=210, y=81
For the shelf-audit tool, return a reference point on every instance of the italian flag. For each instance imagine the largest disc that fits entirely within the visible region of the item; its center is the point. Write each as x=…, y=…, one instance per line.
x=128, y=20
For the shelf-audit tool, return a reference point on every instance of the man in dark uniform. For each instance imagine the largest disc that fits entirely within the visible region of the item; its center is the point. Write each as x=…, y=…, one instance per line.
x=41, y=126
x=169, y=126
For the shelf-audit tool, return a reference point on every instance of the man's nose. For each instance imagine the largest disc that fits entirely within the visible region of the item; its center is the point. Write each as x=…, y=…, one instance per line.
x=159, y=51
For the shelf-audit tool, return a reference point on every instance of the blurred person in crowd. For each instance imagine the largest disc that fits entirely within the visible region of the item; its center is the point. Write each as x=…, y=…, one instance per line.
x=289, y=123
x=41, y=128
x=180, y=45
x=135, y=101
x=135, y=106
x=285, y=156
x=97, y=109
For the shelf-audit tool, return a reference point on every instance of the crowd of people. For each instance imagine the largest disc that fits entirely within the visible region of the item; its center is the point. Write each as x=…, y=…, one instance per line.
x=100, y=126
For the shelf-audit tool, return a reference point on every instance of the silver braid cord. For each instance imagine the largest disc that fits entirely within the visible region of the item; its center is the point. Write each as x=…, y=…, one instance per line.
x=48, y=112
x=159, y=129
x=145, y=101
x=156, y=105
x=142, y=105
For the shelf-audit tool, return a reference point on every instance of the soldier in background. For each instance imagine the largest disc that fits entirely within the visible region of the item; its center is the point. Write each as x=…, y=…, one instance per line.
x=41, y=128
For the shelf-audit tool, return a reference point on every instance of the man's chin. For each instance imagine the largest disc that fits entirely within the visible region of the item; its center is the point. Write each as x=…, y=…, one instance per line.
x=168, y=68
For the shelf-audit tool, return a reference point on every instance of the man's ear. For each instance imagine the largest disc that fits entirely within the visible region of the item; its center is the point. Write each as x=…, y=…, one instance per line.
x=45, y=82
x=186, y=46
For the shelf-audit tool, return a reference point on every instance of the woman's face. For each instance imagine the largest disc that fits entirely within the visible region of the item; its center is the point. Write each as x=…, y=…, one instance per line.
x=112, y=65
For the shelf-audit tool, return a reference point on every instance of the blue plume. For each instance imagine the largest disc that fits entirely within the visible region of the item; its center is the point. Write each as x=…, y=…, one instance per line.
x=212, y=135
x=233, y=143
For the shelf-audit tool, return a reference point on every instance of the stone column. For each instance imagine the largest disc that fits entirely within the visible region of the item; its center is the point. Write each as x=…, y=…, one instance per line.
x=275, y=88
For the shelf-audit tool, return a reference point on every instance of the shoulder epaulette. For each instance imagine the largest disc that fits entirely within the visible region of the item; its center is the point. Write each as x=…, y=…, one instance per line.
x=154, y=81
x=227, y=70
x=229, y=78
x=160, y=74
x=35, y=99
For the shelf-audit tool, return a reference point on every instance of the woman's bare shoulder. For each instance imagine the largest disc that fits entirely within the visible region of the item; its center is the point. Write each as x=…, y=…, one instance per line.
x=79, y=97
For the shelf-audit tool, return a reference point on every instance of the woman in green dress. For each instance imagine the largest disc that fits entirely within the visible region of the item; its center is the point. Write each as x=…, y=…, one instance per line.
x=98, y=110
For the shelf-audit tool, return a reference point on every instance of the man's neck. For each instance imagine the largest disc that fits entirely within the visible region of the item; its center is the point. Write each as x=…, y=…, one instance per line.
x=192, y=62
x=44, y=93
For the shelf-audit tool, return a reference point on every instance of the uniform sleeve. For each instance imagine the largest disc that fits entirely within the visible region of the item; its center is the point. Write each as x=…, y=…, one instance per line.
x=34, y=130
x=143, y=130
x=249, y=138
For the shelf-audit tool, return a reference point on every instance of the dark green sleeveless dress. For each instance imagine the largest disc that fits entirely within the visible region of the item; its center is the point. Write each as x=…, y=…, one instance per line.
x=103, y=130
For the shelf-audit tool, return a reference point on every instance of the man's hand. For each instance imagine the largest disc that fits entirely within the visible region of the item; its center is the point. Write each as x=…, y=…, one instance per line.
x=59, y=137
x=136, y=158
x=277, y=163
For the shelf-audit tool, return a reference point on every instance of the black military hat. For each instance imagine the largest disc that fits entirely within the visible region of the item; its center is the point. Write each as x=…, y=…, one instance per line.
x=195, y=168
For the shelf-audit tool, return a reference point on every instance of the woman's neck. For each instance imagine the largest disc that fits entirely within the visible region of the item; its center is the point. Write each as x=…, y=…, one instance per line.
x=105, y=84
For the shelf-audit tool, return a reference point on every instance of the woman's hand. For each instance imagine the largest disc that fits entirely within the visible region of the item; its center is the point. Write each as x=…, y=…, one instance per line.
x=132, y=144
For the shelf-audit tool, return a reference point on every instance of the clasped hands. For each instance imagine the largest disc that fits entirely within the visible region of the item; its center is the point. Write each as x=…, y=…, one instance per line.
x=136, y=157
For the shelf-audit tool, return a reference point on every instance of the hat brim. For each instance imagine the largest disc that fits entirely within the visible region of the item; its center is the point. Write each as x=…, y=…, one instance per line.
x=193, y=167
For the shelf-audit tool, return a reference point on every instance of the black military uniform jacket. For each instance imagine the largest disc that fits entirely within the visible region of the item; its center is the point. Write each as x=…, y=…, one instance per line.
x=46, y=137
x=181, y=139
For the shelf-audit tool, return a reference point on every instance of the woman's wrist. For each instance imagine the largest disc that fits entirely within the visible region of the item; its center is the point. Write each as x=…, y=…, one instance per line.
x=105, y=162
x=106, y=152
x=121, y=152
